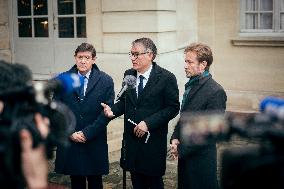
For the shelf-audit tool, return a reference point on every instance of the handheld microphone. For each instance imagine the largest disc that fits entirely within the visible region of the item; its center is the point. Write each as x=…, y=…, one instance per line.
x=62, y=84
x=65, y=83
x=273, y=106
x=129, y=81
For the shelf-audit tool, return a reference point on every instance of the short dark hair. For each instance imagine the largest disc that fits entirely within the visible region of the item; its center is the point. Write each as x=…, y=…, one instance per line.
x=13, y=75
x=148, y=44
x=203, y=51
x=86, y=47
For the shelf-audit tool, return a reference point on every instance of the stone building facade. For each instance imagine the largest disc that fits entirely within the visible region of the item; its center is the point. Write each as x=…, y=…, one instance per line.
x=248, y=57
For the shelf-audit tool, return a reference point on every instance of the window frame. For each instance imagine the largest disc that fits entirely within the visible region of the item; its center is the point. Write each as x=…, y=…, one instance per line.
x=74, y=15
x=274, y=32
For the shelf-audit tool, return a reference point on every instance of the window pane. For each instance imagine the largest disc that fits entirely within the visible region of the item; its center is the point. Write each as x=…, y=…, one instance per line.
x=25, y=27
x=40, y=7
x=81, y=27
x=80, y=7
x=251, y=5
x=266, y=21
x=24, y=7
x=282, y=22
x=65, y=7
x=41, y=27
x=266, y=5
x=66, y=27
x=251, y=21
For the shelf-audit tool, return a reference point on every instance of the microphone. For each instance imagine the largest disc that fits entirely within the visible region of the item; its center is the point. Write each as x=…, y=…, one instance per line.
x=273, y=106
x=65, y=83
x=62, y=84
x=129, y=81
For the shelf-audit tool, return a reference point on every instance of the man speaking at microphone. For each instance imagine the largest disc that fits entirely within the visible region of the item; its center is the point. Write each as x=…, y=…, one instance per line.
x=87, y=157
x=148, y=108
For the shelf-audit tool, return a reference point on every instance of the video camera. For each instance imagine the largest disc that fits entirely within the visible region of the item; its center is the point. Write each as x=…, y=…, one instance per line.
x=257, y=165
x=21, y=102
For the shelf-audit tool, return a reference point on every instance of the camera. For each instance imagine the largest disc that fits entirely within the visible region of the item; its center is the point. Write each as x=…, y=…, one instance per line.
x=258, y=165
x=21, y=99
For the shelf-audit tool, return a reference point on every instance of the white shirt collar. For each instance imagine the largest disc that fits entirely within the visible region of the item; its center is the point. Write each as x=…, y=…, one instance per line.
x=146, y=75
x=87, y=74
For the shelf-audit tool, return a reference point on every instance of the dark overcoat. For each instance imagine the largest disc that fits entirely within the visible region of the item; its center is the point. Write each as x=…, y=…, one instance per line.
x=197, y=165
x=157, y=105
x=90, y=158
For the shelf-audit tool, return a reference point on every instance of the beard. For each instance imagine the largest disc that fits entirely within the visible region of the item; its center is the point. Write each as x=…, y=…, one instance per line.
x=188, y=75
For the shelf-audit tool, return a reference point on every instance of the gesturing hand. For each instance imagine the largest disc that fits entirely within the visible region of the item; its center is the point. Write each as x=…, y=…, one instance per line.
x=107, y=110
x=34, y=162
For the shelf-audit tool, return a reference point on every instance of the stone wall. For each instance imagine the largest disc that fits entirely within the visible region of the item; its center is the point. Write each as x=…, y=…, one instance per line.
x=5, y=49
x=249, y=68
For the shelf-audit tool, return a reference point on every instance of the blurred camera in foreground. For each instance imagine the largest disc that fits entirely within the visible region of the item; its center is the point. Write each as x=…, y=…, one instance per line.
x=20, y=100
x=260, y=164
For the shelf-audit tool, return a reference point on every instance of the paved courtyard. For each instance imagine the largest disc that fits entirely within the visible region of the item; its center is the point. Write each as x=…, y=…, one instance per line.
x=114, y=179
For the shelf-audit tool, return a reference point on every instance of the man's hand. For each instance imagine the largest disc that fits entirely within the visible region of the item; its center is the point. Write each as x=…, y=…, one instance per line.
x=78, y=137
x=107, y=110
x=140, y=129
x=174, y=151
x=34, y=162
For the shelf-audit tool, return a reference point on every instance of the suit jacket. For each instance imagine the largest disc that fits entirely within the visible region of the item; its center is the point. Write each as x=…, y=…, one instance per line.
x=157, y=105
x=90, y=158
x=197, y=165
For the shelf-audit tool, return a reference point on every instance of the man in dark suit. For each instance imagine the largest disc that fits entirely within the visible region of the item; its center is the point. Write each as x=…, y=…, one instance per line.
x=151, y=105
x=197, y=166
x=87, y=156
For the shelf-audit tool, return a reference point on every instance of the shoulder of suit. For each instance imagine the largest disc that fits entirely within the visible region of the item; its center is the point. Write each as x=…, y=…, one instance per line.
x=164, y=71
x=73, y=69
x=214, y=84
x=105, y=76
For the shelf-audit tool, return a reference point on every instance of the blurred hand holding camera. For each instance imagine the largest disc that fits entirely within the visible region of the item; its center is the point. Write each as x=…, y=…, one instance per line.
x=34, y=162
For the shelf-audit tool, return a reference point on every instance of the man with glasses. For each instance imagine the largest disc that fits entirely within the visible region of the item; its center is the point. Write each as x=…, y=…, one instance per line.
x=87, y=156
x=147, y=110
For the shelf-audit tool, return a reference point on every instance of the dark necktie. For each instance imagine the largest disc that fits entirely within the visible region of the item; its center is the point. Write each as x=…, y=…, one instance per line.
x=140, y=86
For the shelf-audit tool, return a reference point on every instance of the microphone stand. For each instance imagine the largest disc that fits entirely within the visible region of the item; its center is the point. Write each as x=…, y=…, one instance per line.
x=123, y=141
x=123, y=144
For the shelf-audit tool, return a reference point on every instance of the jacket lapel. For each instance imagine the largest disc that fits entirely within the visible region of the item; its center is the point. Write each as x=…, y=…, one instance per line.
x=196, y=88
x=93, y=79
x=153, y=79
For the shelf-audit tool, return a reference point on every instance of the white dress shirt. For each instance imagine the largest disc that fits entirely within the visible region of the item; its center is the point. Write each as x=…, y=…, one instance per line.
x=146, y=76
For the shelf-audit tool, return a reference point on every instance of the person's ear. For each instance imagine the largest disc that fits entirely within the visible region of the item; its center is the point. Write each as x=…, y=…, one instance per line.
x=150, y=55
x=203, y=64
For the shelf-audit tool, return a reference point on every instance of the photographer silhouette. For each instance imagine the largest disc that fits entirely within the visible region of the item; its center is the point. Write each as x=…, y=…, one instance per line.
x=25, y=136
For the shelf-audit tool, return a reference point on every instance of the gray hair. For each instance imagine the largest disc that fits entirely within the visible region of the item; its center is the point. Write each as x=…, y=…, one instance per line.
x=148, y=44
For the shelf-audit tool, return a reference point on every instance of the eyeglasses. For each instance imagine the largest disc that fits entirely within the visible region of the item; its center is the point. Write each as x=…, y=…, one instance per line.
x=87, y=58
x=136, y=54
